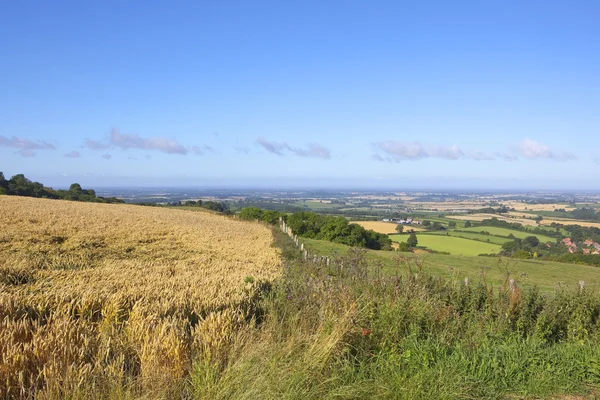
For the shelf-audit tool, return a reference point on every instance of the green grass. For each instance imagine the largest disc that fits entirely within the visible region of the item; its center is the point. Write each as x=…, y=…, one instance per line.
x=494, y=230
x=472, y=235
x=452, y=245
x=350, y=333
x=546, y=275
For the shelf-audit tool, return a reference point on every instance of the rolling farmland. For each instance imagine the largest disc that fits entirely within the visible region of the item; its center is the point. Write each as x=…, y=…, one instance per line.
x=95, y=297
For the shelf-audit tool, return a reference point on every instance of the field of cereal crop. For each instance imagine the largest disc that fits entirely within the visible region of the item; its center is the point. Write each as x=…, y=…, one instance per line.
x=95, y=298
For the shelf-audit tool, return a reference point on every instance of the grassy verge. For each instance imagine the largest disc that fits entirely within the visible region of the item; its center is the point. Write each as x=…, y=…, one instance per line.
x=350, y=331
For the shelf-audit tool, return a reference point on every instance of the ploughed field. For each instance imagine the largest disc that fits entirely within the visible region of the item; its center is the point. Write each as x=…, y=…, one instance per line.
x=95, y=298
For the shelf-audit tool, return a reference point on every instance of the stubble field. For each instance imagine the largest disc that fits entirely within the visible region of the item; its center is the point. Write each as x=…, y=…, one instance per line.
x=108, y=300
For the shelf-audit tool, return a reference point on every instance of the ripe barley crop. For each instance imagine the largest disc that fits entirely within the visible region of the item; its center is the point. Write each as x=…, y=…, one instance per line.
x=110, y=300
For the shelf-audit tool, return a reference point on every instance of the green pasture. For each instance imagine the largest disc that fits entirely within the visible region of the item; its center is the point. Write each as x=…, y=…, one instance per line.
x=472, y=236
x=494, y=230
x=451, y=244
x=546, y=275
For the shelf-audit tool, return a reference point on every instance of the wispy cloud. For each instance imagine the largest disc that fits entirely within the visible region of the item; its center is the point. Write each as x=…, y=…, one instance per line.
x=535, y=150
x=200, y=150
x=106, y=156
x=314, y=150
x=25, y=146
x=399, y=151
x=95, y=145
x=479, y=155
x=73, y=154
x=124, y=141
x=506, y=156
x=164, y=145
x=450, y=153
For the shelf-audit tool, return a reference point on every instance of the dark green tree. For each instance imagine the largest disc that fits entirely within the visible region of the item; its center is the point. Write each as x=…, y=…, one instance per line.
x=468, y=224
x=412, y=240
x=399, y=228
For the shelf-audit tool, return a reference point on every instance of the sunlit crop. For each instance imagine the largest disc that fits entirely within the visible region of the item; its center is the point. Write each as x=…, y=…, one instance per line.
x=113, y=298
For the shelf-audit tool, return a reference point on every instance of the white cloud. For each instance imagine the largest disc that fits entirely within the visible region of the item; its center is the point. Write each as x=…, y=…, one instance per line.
x=450, y=153
x=399, y=151
x=535, y=150
x=313, y=150
x=127, y=141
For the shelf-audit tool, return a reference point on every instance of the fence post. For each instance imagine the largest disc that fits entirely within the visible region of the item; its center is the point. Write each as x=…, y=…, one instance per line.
x=581, y=286
x=467, y=281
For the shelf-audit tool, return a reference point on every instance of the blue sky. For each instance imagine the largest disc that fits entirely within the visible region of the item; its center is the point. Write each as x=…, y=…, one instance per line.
x=461, y=94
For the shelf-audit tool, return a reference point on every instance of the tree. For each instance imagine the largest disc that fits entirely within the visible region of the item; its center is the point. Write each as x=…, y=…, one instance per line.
x=271, y=217
x=75, y=187
x=539, y=219
x=404, y=247
x=399, y=228
x=426, y=223
x=452, y=224
x=532, y=241
x=250, y=213
x=412, y=240
x=468, y=224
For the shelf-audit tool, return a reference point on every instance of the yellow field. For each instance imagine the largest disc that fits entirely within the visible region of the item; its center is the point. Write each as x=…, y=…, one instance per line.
x=566, y=221
x=385, y=227
x=520, y=206
x=95, y=298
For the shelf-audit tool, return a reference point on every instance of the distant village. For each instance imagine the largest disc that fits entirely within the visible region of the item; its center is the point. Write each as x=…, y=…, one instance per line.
x=588, y=247
x=407, y=221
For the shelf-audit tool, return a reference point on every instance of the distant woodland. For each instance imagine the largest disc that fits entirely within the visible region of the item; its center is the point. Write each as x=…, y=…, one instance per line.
x=19, y=185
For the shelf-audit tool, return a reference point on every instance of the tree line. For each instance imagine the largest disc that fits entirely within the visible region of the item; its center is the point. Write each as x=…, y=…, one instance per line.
x=19, y=185
x=322, y=227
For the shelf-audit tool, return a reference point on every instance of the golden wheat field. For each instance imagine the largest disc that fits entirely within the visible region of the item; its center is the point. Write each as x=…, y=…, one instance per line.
x=385, y=227
x=97, y=299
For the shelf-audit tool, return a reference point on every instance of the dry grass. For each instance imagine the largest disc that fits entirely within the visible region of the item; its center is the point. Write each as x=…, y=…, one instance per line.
x=108, y=301
x=385, y=227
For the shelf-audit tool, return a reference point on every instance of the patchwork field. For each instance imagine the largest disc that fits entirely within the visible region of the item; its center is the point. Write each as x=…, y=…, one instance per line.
x=452, y=245
x=95, y=298
x=493, y=230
